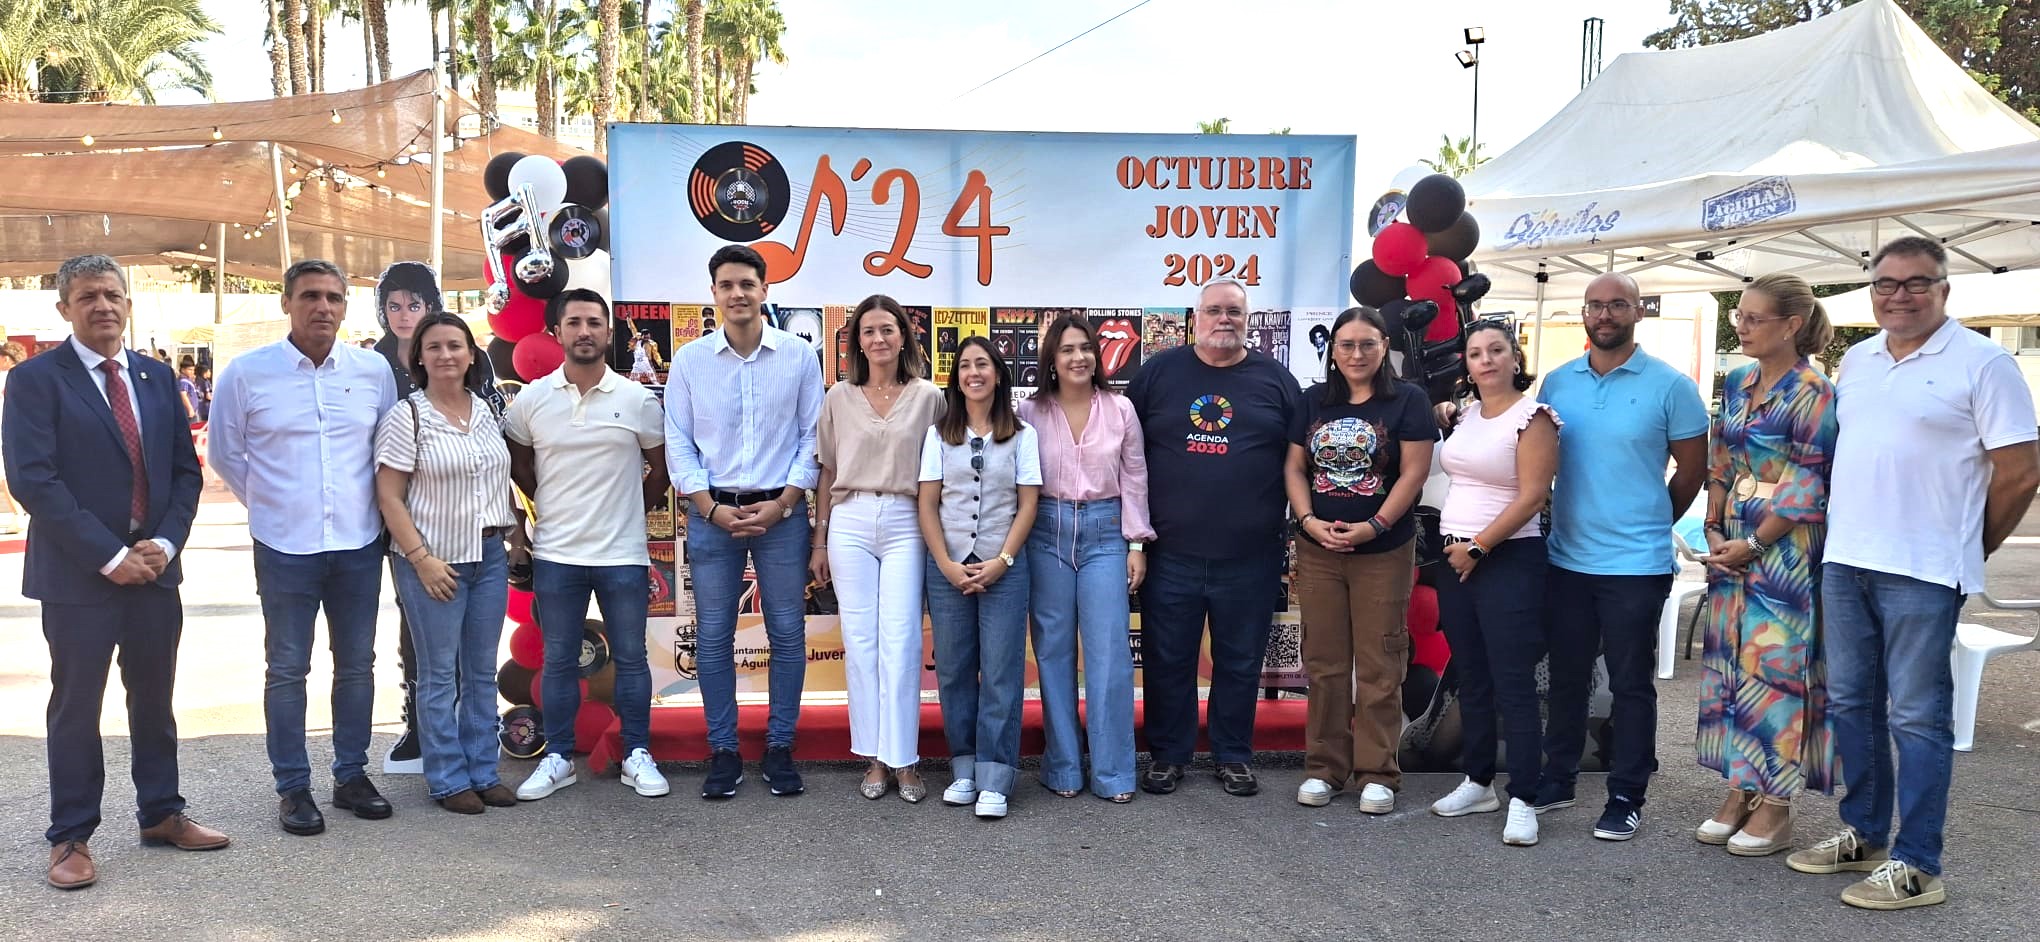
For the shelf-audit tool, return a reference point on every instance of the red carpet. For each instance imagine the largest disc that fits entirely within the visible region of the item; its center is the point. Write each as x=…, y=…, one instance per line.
x=679, y=735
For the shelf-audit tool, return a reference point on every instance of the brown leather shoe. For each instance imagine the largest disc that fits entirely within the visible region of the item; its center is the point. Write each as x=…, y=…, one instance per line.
x=499, y=796
x=71, y=866
x=182, y=833
x=463, y=802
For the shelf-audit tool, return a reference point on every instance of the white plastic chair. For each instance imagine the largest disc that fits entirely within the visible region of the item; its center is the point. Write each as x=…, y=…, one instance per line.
x=1686, y=534
x=1974, y=646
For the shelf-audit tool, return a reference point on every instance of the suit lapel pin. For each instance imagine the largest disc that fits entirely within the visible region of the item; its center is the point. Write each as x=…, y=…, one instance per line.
x=143, y=375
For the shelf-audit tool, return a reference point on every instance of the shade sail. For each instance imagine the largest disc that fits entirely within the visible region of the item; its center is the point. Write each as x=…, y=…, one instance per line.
x=1979, y=300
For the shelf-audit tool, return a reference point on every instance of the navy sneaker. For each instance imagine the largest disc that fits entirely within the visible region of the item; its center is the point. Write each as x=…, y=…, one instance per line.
x=780, y=775
x=725, y=773
x=1619, y=820
x=1552, y=799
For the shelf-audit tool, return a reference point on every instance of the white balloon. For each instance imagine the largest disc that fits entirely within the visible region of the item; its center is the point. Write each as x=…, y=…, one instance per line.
x=1404, y=179
x=548, y=181
x=591, y=272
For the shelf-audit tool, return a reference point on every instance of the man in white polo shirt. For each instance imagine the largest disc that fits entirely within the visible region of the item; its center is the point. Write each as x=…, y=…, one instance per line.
x=1935, y=465
x=579, y=440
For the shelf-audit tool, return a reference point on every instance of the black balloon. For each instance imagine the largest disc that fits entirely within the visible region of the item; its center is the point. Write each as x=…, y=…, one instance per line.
x=1392, y=316
x=1418, y=316
x=1372, y=287
x=1457, y=241
x=547, y=288
x=496, y=176
x=602, y=228
x=1436, y=202
x=499, y=359
x=587, y=181
x=1471, y=288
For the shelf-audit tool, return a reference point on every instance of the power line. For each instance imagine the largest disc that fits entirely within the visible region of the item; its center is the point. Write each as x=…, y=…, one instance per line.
x=1053, y=48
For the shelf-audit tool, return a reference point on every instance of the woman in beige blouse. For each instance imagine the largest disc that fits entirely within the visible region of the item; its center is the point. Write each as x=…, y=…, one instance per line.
x=867, y=533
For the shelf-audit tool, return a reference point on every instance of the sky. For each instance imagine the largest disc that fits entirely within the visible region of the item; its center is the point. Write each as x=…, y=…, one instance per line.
x=1381, y=71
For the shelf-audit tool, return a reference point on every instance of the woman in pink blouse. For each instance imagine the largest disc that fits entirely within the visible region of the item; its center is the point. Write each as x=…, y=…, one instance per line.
x=1085, y=558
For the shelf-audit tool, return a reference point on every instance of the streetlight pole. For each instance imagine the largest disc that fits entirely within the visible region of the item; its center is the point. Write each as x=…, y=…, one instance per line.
x=1469, y=58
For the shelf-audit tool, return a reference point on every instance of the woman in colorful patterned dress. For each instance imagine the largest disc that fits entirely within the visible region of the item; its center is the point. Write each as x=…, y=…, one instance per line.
x=1763, y=697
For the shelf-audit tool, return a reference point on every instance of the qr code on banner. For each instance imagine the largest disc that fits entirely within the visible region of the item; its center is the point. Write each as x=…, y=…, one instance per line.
x=1285, y=649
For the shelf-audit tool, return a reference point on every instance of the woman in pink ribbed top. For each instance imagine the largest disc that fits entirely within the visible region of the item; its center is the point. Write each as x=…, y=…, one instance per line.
x=1501, y=458
x=1085, y=557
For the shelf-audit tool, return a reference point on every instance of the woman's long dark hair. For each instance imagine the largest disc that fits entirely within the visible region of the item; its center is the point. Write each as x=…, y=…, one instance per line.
x=1337, y=392
x=478, y=365
x=910, y=359
x=1052, y=341
x=1521, y=380
x=954, y=425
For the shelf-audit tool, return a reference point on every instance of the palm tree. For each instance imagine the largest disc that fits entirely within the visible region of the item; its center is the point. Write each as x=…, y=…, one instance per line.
x=697, y=23
x=31, y=34
x=294, y=41
x=279, y=55
x=378, y=22
x=745, y=31
x=1220, y=126
x=609, y=14
x=102, y=50
x=1456, y=158
x=485, y=61
x=539, y=47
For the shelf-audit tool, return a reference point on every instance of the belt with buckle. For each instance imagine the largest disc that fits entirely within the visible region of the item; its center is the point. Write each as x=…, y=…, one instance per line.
x=490, y=533
x=744, y=499
x=1748, y=488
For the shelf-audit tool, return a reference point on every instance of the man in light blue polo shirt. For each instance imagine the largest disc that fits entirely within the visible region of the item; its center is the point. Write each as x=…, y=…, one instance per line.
x=1625, y=413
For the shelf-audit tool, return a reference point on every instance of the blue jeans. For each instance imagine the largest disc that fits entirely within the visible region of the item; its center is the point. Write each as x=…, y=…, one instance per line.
x=981, y=673
x=1495, y=624
x=1591, y=616
x=560, y=600
x=455, y=644
x=1238, y=597
x=347, y=584
x=1077, y=560
x=717, y=560
x=1887, y=638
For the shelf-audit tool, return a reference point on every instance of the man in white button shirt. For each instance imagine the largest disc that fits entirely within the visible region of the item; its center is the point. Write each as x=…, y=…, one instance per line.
x=741, y=409
x=1935, y=466
x=580, y=437
x=293, y=436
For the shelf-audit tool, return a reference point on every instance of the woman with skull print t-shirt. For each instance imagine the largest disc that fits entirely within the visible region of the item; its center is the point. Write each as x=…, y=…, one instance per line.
x=1359, y=452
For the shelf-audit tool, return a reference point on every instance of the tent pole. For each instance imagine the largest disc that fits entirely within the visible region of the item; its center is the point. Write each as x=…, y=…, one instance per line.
x=437, y=242
x=1537, y=328
x=282, y=211
x=219, y=281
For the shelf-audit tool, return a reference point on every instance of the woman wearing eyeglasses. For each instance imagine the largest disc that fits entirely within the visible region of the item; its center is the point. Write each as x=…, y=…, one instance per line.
x=1088, y=556
x=1763, y=688
x=980, y=477
x=1358, y=455
x=1501, y=456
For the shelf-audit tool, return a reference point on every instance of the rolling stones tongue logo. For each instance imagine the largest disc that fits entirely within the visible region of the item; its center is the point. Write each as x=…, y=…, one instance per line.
x=1118, y=338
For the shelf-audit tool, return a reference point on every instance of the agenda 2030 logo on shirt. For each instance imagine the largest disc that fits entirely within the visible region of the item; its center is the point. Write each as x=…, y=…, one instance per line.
x=1211, y=413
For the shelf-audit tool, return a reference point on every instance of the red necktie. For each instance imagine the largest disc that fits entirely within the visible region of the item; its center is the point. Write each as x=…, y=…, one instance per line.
x=130, y=435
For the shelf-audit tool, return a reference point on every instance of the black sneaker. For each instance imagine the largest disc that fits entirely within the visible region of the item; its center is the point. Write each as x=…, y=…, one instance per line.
x=725, y=773
x=1619, y=820
x=780, y=775
x=1161, y=778
x=1238, y=779
x=1552, y=800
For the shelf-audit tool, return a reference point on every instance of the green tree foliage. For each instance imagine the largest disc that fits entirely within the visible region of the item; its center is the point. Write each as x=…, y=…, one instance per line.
x=1456, y=158
x=102, y=50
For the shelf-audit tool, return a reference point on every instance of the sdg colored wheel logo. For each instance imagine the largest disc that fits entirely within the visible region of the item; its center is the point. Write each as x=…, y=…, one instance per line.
x=738, y=191
x=1211, y=413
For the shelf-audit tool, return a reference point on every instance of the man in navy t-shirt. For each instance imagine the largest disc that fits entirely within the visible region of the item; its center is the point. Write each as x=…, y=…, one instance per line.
x=1216, y=418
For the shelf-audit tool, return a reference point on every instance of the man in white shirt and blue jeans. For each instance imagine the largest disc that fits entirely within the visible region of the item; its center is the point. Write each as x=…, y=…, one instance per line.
x=741, y=409
x=1935, y=466
x=580, y=437
x=293, y=436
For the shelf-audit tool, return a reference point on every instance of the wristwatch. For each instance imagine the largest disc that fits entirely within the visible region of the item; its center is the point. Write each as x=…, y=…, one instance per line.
x=1474, y=550
x=1007, y=559
x=785, y=509
x=1757, y=546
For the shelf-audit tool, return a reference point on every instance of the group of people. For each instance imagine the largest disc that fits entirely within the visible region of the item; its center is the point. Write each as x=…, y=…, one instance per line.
x=1030, y=524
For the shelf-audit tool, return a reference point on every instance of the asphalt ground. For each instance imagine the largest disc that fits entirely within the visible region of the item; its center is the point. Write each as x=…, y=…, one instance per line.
x=595, y=861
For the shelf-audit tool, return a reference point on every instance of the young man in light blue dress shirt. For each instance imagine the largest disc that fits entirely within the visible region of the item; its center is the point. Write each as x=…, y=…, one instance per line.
x=1626, y=413
x=741, y=410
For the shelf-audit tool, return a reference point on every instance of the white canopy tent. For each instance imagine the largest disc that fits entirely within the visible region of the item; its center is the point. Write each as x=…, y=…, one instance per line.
x=1978, y=300
x=1800, y=150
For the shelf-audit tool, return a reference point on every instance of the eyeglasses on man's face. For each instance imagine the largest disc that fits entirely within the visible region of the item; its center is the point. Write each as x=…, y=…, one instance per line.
x=1617, y=307
x=1919, y=285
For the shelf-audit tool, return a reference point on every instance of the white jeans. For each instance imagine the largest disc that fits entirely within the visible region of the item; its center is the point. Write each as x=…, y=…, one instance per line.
x=876, y=557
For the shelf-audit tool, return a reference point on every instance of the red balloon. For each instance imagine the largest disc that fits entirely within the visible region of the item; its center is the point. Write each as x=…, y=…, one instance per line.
x=589, y=724
x=538, y=690
x=538, y=354
x=1399, y=249
x=519, y=609
x=527, y=647
x=1432, y=281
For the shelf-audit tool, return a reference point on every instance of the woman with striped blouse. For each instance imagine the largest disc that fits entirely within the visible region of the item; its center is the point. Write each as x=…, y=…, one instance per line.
x=443, y=481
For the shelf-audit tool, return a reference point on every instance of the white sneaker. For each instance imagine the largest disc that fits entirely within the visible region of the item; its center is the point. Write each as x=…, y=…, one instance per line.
x=961, y=792
x=641, y=771
x=1315, y=792
x=1521, y=829
x=553, y=773
x=1377, y=799
x=990, y=805
x=1468, y=798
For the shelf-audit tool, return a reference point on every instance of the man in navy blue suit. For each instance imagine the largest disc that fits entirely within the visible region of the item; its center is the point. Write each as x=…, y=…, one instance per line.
x=99, y=454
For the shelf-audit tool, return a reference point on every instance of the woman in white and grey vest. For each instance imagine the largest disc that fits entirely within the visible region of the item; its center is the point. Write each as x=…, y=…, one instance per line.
x=980, y=479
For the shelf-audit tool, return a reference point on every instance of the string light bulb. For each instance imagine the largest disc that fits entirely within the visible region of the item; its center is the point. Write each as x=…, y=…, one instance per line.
x=336, y=116
x=201, y=246
x=294, y=170
x=86, y=140
x=247, y=235
x=258, y=233
x=380, y=172
x=216, y=135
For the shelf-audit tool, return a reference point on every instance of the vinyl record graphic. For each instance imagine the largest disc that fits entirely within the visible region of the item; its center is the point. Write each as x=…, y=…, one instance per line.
x=803, y=322
x=575, y=232
x=738, y=191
